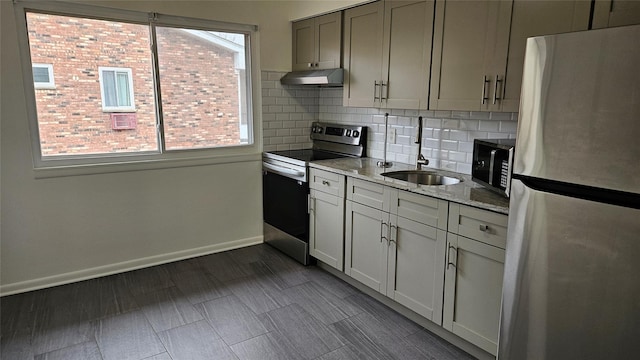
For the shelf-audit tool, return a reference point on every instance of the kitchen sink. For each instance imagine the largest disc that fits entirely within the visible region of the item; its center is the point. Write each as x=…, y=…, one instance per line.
x=422, y=177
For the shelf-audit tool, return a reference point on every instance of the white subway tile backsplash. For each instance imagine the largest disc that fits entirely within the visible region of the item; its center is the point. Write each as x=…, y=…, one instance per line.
x=461, y=114
x=288, y=112
x=273, y=75
x=449, y=145
x=480, y=115
x=500, y=116
x=508, y=126
x=488, y=125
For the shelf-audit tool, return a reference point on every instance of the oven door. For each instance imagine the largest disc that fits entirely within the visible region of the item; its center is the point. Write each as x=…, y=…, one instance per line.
x=285, y=211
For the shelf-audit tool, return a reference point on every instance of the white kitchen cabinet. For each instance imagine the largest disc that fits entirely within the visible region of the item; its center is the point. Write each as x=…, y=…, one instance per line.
x=326, y=217
x=610, y=13
x=387, y=47
x=474, y=272
x=366, y=245
x=415, y=276
x=535, y=18
x=479, y=46
x=389, y=251
x=317, y=42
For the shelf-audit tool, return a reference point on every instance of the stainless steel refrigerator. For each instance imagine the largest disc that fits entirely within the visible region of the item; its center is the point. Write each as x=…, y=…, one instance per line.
x=572, y=272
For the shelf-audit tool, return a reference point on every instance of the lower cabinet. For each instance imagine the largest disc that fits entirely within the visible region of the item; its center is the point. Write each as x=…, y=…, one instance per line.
x=474, y=272
x=366, y=245
x=473, y=290
x=398, y=257
x=326, y=218
x=443, y=260
x=415, y=276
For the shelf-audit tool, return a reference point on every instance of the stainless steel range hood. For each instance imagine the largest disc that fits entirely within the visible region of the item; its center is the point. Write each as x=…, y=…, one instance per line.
x=327, y=77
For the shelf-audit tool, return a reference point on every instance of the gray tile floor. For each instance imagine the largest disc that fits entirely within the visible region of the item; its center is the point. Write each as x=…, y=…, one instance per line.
x=250, y=303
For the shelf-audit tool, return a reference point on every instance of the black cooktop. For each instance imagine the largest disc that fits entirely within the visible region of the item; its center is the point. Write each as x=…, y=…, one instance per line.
x=307, y=155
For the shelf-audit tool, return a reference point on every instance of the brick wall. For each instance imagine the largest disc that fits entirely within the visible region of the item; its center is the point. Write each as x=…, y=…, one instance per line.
x=199, y=91
x=199, y=86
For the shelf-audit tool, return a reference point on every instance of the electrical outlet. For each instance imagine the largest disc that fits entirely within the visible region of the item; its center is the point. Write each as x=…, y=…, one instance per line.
x=391, y=136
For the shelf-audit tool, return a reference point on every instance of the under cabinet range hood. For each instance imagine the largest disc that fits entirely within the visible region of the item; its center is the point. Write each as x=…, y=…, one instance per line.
x=326, y=77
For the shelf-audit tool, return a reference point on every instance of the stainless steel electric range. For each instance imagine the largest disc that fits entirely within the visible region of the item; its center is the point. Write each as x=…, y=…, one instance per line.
x=286, y=189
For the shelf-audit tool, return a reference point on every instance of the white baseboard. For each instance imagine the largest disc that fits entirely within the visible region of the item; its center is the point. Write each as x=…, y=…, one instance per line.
x=99, y=271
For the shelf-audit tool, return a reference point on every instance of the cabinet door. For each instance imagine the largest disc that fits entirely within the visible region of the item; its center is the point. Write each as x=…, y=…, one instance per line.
x=366, y=245
x=328, y=41
x=537, y=18
x=303, y=48
x=408, y=28
x=473, y=291
x=326, y=225
x=416, y=267
x=363, y=54
x=610, y=13
x=469, y=50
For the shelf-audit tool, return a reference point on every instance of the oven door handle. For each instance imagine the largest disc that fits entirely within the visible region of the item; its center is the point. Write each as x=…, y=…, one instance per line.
x=283, y=170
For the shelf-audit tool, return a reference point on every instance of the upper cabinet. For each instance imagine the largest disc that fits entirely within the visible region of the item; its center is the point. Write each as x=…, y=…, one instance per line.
x=610, y=13
x=387, y=54
x=536, y=18
x=479, y=46
x=316, y=42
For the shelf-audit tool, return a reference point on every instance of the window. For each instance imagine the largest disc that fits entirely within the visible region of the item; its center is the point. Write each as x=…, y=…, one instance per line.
x=116, y=88
x=43, y=76
x=190, y=90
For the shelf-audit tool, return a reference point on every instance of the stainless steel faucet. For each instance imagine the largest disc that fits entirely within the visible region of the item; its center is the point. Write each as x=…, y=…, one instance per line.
x=421, y=159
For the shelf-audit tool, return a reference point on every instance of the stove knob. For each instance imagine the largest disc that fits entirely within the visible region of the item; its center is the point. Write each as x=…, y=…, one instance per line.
x=319, y=129
x=356, y=133
x=348, y=133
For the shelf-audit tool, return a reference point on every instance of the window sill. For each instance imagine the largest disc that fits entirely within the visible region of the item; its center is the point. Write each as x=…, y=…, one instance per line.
x=140, y=165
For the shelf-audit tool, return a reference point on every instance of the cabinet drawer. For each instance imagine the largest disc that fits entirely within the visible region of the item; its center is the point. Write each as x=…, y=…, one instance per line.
x=326, y=182
x=420, y=208
x=477, y=224
x=367, y=193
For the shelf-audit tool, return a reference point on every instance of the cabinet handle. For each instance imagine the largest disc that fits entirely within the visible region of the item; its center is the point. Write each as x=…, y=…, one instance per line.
x=375, y=90
x=325, y=182
x=495, y=90
x=309, y=201
x=391, y=233
x=484, y=228
x=382, y=224
x=484, y=89
x=449, y=255
x=382, y=86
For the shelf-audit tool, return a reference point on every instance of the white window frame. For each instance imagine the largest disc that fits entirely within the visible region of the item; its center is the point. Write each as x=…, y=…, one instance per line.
x=116, y=70
x=70, y=165
x=51, y=84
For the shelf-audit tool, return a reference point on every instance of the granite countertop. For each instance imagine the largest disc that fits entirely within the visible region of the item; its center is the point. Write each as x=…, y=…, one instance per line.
x=466, y=192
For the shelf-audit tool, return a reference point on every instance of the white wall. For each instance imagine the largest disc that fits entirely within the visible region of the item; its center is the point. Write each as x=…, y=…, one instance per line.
x=63, y=229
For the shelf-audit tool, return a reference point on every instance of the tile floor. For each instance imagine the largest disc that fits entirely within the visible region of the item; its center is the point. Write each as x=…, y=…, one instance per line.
x=251, y=303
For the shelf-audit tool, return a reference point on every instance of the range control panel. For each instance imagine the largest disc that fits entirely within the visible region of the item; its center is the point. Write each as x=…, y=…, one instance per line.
x=338, y=133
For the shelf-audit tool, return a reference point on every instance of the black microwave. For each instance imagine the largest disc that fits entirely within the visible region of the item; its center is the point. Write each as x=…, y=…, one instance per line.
x=493, y=164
